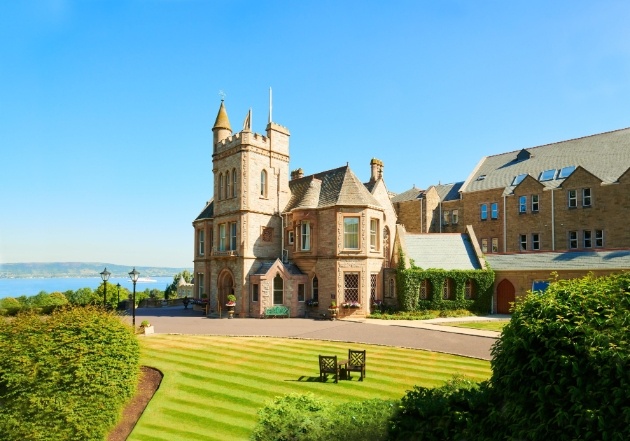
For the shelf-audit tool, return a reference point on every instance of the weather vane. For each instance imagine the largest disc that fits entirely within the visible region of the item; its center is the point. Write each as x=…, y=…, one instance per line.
x=222, y=95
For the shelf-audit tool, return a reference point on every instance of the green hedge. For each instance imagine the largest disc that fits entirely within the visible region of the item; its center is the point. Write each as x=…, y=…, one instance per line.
x=303, y=417
x=65, y=376
x=408, y=281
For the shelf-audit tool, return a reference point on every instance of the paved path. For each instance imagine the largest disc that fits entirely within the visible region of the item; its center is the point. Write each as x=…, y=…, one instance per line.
x=431, y=335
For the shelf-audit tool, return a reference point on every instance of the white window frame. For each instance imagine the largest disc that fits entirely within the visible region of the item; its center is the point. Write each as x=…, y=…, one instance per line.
x=495, y=244
x=494, y=210
x=291, y=237
x=572, y=197
x=522, y=242
x=522, y=204
x=483, y=212
x=351, y=228
x=222, y=237
x=233, y=233
x=587, y=197
x=484, y=245
x=202, y=242
x=455, y=217
x=535, y=203
x=587, y=239
x=599, y=238
x=263, y=183
x=573, y=240
x=305, y=236
x=446, y=217
x=374, y=230
x=535, y=241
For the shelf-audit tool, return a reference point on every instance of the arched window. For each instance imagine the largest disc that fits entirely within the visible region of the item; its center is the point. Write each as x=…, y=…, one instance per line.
x=315, y=291
x=263, y=183
x=469, y=290
x=424, y=289
x=220, y=186
x=233, y=182
x=278, y=290
x=447, y=289
x=227, y=184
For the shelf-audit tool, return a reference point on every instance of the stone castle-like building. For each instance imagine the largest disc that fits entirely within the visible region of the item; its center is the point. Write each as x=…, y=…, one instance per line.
x=273, y=237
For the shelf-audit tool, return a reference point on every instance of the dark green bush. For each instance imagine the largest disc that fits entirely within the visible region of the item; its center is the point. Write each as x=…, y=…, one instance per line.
x=562, y=365
x=65, y=376
x=448, y=412
x=299, y=417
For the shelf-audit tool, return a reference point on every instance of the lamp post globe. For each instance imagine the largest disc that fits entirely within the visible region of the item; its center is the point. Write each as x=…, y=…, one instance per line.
x=105, y=277
x=133, y=275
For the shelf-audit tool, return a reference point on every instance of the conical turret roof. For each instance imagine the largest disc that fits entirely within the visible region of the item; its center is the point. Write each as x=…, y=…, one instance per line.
x=222, y=121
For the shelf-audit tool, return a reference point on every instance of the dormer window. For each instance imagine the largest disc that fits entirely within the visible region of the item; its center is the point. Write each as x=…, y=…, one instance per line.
x=518, y=179
x=566, y=171
x=547, y=175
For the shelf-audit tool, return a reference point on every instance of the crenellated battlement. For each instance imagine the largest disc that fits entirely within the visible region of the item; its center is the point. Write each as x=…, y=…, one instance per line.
x=243, y=138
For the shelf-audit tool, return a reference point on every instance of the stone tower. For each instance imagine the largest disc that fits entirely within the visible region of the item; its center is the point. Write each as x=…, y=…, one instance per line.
x=251, y=188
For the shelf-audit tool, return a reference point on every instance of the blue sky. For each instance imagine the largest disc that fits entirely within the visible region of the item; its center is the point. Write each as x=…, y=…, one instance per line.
x=106, y=107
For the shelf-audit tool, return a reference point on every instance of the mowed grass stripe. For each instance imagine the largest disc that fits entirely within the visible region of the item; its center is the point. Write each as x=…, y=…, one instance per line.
x=214, y=386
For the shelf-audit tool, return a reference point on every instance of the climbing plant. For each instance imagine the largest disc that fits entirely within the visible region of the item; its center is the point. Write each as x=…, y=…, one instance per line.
x=410, y=279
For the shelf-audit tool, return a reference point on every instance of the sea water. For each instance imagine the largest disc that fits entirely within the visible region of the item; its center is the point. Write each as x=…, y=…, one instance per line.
x=29, y=287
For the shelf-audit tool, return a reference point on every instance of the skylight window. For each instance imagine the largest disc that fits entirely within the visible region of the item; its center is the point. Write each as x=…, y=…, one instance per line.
x=518, y=179
x=566, y=171
x=547, y=175
x=481, y=178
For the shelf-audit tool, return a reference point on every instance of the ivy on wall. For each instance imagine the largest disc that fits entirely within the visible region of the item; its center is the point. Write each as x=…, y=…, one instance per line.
x=408, y=281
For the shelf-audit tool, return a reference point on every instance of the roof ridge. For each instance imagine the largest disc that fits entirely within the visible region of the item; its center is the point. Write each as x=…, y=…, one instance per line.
x=558, y=142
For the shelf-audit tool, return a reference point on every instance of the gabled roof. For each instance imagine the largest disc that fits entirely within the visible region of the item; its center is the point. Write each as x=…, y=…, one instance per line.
x=409, y=195
x=551, y=261
x=333, y=187
x=605, y=155
x=264, y=268
x=208, y=211
x=448, y=251
x=448, y=192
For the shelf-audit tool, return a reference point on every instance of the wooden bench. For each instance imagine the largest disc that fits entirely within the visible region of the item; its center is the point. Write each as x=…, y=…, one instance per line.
x=276, y=311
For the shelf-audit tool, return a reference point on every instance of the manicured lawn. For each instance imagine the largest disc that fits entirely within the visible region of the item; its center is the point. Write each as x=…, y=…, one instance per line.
x=492, y=325
x=213, y=386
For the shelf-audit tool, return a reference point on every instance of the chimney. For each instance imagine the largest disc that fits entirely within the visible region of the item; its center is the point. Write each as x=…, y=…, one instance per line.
x=297, y=174
x=376, y=169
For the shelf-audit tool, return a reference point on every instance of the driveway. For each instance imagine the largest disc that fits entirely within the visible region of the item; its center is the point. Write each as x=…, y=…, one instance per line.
x=417, y=334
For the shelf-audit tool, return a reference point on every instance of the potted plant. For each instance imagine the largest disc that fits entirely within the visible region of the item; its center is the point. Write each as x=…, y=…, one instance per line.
x=333, y=310
x=231, y=303
x=146, y=327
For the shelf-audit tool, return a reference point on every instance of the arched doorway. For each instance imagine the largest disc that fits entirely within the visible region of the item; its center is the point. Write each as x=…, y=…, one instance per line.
x=505, y=296
x=225, y=286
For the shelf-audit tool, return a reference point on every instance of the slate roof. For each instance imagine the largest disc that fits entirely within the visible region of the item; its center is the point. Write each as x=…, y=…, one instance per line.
x=605, y=155
x=409, y=195
x=551, y=261
x=208, y=211
x=266, y=266
x=449, y=192
x=447, y=251
x=333, y=187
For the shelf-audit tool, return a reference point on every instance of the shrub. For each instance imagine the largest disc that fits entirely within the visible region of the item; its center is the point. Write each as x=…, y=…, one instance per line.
x=299, y=417
x=562, y=364
x=65, y=376
x=444, y=413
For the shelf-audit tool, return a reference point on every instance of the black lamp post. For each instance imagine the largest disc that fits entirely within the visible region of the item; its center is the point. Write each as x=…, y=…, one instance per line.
x=118, y=295
x=105, y=276
x=134, y=278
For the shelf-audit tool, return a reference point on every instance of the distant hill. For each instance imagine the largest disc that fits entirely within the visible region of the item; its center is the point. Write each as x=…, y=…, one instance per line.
x=80, y=269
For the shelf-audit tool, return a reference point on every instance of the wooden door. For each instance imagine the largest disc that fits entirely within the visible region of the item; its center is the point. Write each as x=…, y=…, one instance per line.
x=505, y=297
